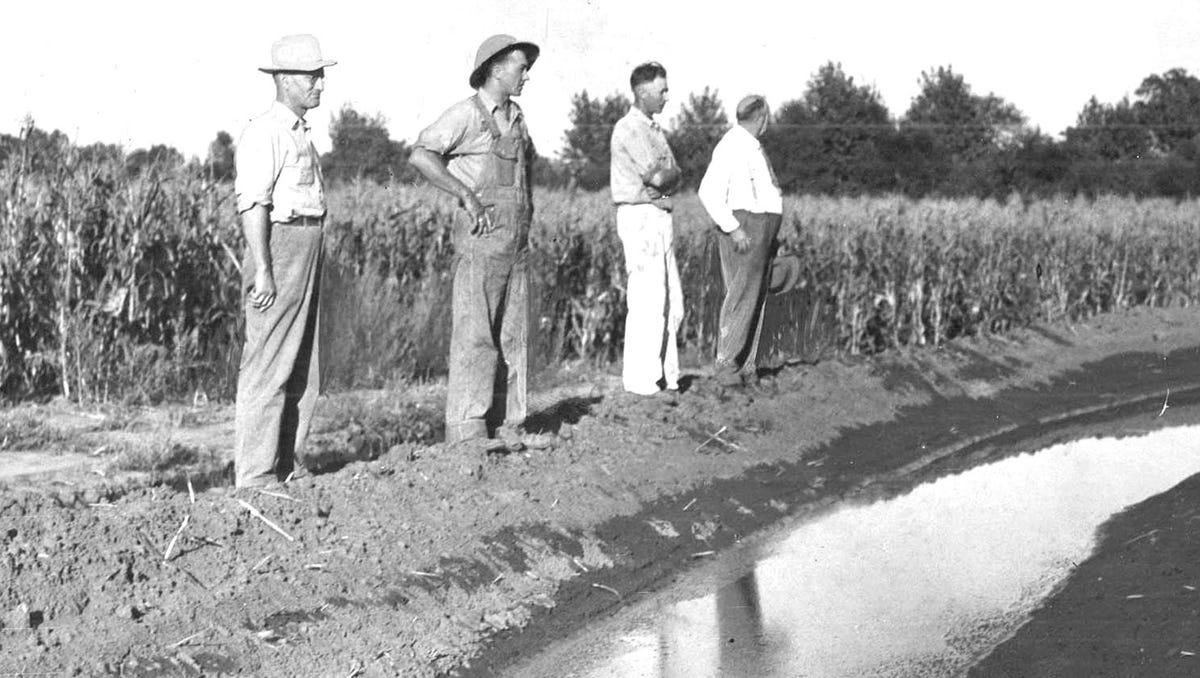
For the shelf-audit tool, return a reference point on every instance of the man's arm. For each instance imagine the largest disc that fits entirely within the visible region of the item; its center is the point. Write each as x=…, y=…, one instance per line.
x=663, y=177
x=714, y=190
x=433, y=168
x=256, y=227
x=658, y=174
x=714, y=195
x=258, y=161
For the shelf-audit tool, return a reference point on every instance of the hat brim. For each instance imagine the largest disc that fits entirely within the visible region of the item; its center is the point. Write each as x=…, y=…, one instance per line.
x=479, y=75
x=785, y=274
x=308, y=67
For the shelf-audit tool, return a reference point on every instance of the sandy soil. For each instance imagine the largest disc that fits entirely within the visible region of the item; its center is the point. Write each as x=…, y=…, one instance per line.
x=427, y=560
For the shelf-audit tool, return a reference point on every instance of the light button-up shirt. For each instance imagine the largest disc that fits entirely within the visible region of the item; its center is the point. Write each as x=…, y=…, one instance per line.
x=278, y=167
x=739, y=178
x=639, y=146
x=462, y=134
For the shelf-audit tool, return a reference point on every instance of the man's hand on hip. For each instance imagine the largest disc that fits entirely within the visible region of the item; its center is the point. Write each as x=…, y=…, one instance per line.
x=480, y=221
x=741, y=240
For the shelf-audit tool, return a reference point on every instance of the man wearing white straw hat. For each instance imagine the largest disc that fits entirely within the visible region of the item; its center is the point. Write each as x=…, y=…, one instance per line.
x=479, y=152
x=281, y=199
x=741, y=194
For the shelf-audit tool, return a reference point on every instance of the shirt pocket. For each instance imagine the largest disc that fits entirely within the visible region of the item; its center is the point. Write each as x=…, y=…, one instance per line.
x=305, y=172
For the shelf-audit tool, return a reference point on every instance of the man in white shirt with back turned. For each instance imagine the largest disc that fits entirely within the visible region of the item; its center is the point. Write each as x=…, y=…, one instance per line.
x=741, y=194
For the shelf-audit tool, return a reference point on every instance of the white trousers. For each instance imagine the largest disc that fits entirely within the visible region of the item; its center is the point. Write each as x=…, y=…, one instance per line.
x=654, y=299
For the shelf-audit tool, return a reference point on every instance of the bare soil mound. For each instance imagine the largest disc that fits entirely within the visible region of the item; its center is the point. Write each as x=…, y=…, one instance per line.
x=410, y=563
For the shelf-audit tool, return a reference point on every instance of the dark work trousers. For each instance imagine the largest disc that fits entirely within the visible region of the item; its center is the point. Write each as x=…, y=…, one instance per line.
x=489, y=340
x=279, y=377
x=746, y=277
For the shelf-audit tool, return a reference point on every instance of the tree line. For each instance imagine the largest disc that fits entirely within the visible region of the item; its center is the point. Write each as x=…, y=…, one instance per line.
x=837, y=138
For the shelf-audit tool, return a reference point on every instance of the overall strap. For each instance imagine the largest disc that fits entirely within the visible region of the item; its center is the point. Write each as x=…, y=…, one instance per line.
x=493, y=128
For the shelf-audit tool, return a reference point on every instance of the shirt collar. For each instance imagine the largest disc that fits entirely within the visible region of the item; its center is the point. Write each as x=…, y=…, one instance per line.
x=513, y=109
x=637, y=112
x=749, y=138
x=287, y=117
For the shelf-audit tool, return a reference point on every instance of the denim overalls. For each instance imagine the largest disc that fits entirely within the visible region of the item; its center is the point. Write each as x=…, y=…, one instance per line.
x=489, y=341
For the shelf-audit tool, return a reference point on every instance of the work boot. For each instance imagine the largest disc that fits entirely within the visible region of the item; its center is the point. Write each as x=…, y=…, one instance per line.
x=478, y=447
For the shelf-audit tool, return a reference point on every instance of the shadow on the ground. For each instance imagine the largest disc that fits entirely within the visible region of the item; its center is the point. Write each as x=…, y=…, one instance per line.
x=567, y=411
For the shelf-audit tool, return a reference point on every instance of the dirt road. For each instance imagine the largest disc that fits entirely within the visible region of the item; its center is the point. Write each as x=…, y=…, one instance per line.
x=418, y=561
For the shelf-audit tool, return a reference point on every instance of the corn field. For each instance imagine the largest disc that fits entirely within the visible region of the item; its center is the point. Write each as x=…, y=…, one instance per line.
x=126, y=289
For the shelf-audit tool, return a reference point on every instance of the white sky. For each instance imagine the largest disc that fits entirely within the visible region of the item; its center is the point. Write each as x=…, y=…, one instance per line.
x=136, y=72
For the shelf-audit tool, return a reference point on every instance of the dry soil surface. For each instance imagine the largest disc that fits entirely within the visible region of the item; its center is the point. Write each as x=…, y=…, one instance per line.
x=428, y=560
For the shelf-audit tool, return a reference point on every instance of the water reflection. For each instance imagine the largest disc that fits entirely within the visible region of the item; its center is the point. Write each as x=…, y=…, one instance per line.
x=923, y=584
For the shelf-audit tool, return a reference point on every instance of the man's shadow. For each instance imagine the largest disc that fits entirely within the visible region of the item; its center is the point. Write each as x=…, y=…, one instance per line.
x=568, y=411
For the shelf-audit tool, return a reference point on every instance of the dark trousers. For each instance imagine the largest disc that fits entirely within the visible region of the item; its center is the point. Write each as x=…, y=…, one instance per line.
x=746, y=276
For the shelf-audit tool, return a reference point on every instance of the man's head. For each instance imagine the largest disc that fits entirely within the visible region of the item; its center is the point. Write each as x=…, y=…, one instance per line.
x=504, y=62
x=299, y=72
x=299, y=90
x=649, y=84
x=753, y=114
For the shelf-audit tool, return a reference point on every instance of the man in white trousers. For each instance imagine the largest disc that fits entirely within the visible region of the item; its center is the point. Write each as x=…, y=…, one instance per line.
x=643, y=177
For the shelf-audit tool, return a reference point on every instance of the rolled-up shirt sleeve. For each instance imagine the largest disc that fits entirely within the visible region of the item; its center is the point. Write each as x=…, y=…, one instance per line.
x=446, y=133
x=258, y=161
x=714, y=189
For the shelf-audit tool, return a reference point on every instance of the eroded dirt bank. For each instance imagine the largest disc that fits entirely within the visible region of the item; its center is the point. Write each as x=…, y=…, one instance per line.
x=409, y=564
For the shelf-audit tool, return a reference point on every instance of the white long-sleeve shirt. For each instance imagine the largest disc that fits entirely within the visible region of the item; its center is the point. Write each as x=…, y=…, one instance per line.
x=739, y=178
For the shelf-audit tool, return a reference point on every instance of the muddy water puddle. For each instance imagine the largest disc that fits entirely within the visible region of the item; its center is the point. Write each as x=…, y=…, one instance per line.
x=924, y=584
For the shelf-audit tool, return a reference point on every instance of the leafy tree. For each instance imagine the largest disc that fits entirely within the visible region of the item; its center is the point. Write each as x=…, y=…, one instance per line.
x=696, y=130
x=100, y=153
x=965, y=126
x=1169, y=108
x=35, y=148
x=549, y=172
x=1038, y=165
x=587, y=152
x=830, y=140
x=220, y=157
x=158, y=157
x=362, y=149
x=1108, y=132
x=1147, y=146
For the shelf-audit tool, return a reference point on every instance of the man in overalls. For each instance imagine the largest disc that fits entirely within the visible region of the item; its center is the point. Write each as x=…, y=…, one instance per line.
x=479, y=151
x=281, y=199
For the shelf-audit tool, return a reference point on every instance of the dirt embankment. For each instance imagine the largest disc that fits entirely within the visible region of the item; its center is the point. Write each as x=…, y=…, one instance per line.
x=411, y=563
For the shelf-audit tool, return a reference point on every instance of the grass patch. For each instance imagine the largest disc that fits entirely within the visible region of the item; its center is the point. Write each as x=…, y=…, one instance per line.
x=155, y=457
x=25, y=432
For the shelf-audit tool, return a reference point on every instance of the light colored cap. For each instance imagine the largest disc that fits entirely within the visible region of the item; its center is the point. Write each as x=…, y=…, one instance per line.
x=494, y=47
x=296, y=53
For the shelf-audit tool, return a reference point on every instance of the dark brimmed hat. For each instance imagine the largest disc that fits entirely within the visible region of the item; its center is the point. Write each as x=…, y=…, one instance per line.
x=495, y=46
x=296, y=53
x=785, y=273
